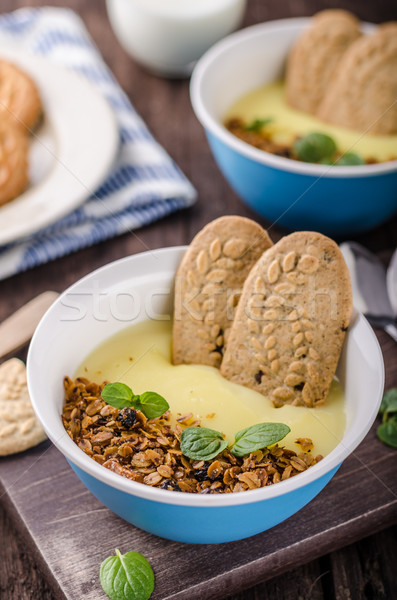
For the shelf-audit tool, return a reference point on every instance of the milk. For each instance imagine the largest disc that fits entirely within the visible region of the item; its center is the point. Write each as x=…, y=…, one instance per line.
x=168, y=36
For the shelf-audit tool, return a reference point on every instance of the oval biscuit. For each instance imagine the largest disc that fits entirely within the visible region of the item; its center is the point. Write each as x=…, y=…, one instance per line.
x=314, y=59
x=208, y=285
x=300, y=351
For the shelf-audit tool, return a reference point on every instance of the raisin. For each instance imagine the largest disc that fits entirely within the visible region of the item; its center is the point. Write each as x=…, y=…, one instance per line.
x=202, y=474
x=283, y=152
x=126, y=417
x=258, y=376
x=170, y=484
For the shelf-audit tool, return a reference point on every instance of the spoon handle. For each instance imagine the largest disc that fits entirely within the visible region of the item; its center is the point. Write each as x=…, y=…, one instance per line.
x=17, y=329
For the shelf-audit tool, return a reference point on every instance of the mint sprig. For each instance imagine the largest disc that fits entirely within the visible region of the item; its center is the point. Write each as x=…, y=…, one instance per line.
x=257, y=437
x=314, y=147
x=118, y=395
x=127, y=577
x=201, y=443
x=387, y=431
x=258, y=124
x=350, y=159
x=121, y=395
x=388, y=404
x=151, y=404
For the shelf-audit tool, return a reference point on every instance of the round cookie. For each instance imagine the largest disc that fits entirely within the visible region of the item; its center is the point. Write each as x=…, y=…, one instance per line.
x=208, y=285
x=14, y=145
x=313, y=61
x=363, y=95
x=291, y=320
x=19, y=97
x=19, y=427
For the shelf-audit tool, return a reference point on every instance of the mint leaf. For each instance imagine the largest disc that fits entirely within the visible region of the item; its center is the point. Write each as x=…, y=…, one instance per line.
x=152, y=405
x=258, y=124
x=121, y=395
x=118, y=395
x=127, y=577
x=257, y=437
x=389, y=402
x=349, y=159
x=387, y=432
x=201, y=443
x=314, y=147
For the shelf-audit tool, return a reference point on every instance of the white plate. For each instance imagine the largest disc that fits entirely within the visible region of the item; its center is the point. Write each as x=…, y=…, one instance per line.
x=71, y=152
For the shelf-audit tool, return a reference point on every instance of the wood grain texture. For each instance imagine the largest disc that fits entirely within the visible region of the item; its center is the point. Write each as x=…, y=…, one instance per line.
x=47, y=520
x=19, y=575
x=357, y=572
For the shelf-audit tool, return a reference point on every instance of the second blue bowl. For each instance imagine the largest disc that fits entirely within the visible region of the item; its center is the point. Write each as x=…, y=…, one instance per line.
x=334, y=200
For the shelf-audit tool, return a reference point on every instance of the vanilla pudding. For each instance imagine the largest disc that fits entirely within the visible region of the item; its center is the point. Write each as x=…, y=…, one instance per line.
x=269, y=101
x=140, y=356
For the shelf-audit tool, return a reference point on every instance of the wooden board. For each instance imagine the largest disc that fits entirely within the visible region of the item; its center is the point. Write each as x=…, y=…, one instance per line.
x=71, y=532
x=72, y=549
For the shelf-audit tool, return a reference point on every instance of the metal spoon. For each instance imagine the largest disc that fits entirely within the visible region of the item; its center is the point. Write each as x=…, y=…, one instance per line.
x=391, y=281
x=370, y=294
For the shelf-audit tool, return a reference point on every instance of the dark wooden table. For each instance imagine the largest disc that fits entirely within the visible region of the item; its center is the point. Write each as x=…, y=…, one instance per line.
x=363, y=570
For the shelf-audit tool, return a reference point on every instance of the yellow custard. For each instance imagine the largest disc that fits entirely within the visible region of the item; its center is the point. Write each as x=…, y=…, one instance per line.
x=269, y=101
x=140, y=356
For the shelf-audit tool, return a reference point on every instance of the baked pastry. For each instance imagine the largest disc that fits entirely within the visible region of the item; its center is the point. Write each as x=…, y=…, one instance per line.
x=363, y=95
x=19, y=426
x=208, y=285
x=314, y=60
x=14, y=145
x=19, y=96
x=291, y=321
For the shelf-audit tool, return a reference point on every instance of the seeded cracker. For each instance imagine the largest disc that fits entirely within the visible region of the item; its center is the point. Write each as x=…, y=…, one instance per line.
x=315, y=58
x=19, y=427
x=363, y=95
x=291, y=321
x=208, y=285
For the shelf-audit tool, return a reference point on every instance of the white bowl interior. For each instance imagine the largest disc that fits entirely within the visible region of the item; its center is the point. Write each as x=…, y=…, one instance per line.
x=242, y=63
x=140, y=287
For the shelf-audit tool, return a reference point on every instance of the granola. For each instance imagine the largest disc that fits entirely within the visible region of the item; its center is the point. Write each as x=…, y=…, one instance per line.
x=148, y=450
x=263, y=140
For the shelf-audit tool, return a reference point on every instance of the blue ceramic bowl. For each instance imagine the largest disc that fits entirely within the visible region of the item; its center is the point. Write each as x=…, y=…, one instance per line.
x=334, y=200
x=139, y=287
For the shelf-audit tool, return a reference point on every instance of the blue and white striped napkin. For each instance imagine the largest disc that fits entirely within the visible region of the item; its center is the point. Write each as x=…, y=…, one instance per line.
x=133, y=194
